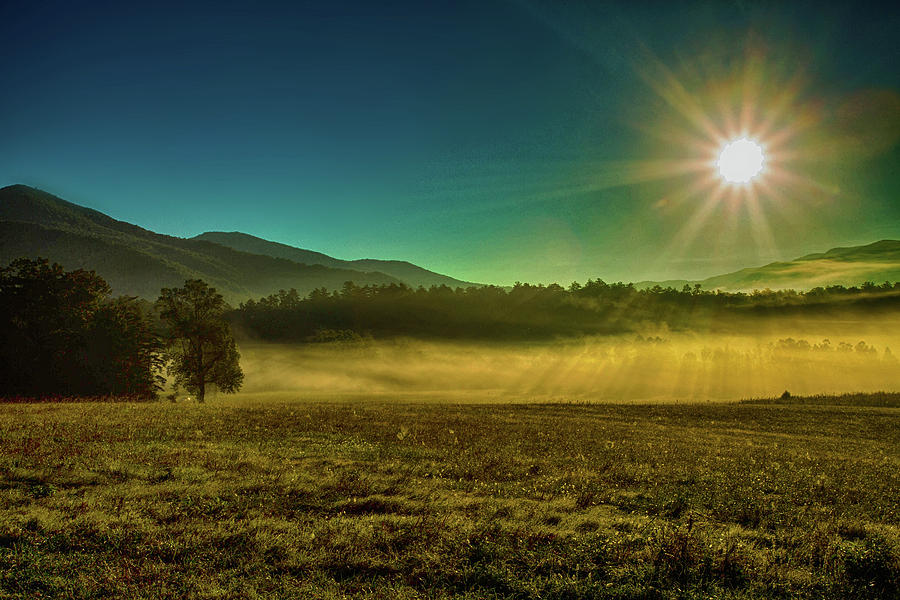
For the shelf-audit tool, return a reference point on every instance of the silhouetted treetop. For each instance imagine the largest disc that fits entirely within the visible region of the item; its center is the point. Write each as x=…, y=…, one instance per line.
x=199, y=343
x=530, y=311
x=61, y=334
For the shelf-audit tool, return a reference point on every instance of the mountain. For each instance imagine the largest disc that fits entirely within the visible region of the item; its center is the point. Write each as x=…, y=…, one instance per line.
x=139, y=262
x=406, y=272
x=854, y=265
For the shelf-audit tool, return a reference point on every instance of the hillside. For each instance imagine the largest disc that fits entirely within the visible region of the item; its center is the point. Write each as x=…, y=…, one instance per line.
x=139, y=262
x=850, y=266
x=406, y=272
x=876, y=262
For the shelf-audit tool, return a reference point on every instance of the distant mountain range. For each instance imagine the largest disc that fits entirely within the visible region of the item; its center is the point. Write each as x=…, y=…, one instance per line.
x=406, y=272
x=877, y=262
x=139, y=262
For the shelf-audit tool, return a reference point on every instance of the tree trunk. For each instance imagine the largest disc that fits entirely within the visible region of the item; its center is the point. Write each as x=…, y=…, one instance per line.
x=201, y=383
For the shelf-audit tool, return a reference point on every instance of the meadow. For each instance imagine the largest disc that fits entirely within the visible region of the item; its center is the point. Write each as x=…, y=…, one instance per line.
x=330, y=497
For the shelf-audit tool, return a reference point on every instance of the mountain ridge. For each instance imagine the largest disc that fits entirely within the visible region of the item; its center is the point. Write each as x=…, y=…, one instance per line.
x=843, y=265
x=138, y=261
x=36, y=223
x=411, y=274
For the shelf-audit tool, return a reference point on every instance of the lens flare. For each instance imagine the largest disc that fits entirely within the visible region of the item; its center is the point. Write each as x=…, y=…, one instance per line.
x=740, y=161
x=755, y=127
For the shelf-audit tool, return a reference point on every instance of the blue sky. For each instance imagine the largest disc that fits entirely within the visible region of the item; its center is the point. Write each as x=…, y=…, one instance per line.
x=492, y=141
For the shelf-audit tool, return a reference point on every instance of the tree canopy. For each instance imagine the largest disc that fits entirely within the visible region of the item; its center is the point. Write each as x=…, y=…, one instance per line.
x=199, y=342
x=61, y=335
x=527, y=311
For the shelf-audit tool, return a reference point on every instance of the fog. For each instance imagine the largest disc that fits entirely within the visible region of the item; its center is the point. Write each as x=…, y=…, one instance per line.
x=659, y=366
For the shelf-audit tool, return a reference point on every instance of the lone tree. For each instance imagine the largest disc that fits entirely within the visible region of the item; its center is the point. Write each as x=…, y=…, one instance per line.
x=199, y=343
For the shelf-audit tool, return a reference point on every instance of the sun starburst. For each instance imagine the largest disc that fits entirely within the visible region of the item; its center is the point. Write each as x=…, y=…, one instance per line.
x=741, y=160
x=747, y=121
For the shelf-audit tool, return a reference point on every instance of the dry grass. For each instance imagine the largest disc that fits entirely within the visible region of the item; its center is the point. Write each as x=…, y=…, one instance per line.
x=435, y=500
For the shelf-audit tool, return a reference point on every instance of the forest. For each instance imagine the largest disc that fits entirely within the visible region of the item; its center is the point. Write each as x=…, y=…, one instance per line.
x=528, y=311
x=62, y=335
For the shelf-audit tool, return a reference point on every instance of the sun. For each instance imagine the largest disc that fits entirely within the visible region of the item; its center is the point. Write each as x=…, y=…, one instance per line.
x=740, y=160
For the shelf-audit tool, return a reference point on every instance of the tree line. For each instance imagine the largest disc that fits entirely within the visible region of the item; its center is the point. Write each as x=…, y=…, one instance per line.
x=63, y=335
x=527, y=311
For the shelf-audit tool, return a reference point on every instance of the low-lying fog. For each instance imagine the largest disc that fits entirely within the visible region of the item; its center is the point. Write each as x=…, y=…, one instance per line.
x=808, y=358
x=828, y=357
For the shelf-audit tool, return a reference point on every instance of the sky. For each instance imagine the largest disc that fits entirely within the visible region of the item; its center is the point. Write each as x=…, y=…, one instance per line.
x=491, y=141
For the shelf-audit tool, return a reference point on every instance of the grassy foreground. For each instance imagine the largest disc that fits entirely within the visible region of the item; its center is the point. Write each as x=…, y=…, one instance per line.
x=368, y=500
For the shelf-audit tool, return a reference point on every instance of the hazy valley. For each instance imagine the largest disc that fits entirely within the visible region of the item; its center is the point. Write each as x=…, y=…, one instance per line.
x=489, y=300
x=390, y=440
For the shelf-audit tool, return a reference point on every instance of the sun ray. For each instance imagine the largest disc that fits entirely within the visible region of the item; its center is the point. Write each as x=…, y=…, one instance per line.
x=778, y=106
x=681, y=194
x=759, y=225
x=789, y=178
x=750, y=86
x=686, y=235
x=662, y=81
x=747, y=118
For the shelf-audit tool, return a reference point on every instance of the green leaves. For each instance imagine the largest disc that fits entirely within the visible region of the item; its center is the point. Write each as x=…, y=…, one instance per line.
x=200, y=347
x=63, y=336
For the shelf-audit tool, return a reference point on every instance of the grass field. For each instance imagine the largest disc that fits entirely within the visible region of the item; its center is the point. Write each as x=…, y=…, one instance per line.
x=240, y=499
